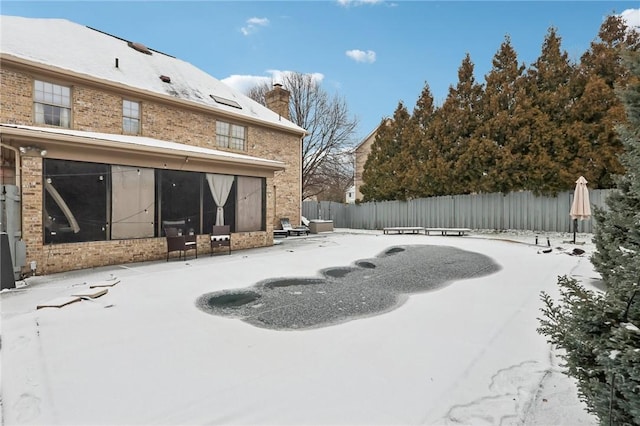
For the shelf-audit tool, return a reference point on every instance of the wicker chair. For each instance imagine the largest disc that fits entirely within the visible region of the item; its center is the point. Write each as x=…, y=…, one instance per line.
x=220, y=237
x=177, y=241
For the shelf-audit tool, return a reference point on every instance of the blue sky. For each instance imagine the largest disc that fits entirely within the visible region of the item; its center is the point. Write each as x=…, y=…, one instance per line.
x=372, y=53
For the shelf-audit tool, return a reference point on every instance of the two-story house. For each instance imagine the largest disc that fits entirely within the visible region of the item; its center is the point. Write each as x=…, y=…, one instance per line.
x=104, y=139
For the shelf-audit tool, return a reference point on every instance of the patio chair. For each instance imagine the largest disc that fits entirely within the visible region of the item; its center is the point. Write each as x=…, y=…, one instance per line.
x=220, y=237
x=177, y=240
x=298, y=230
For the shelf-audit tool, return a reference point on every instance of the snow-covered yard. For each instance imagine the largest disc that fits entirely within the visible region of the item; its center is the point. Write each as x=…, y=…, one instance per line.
x=144, y=353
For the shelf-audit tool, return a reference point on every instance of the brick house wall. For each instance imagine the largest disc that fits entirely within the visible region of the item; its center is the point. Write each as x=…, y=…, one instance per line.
x=16, y=102
x=98, y=109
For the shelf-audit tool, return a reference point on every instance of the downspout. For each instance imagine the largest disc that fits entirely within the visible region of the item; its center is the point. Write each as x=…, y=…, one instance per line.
x=300, y=186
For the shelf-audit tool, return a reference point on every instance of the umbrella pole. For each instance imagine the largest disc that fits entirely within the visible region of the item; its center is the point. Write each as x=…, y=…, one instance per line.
x=575, y=226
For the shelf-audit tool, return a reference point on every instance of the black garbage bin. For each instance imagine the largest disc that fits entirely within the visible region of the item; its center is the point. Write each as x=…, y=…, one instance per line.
x=6, y=264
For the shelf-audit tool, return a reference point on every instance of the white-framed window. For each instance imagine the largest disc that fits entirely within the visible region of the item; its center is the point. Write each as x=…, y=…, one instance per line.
x=52, y=104
x=230, y=135
x=130, y=117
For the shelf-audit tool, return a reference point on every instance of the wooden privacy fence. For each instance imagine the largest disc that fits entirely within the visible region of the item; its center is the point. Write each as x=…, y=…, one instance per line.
x=517, y=210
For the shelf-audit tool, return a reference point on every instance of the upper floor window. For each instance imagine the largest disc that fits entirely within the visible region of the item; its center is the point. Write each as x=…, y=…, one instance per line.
x=130, y=117
x=52, y=104
x=230, y=135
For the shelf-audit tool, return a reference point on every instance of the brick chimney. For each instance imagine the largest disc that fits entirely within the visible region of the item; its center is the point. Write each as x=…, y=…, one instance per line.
x=278, y=100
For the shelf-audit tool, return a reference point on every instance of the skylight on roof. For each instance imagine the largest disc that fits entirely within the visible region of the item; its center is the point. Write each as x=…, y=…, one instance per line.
x=225, y=101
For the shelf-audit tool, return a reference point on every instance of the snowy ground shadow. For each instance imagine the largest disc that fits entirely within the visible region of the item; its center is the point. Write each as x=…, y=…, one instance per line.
x=368, y=287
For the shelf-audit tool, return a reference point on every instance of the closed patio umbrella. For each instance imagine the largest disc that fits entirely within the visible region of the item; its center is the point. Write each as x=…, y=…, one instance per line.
x=580, y=207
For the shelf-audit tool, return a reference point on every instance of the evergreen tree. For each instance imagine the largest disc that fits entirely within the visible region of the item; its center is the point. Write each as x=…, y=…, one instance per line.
x=593, y=135
x=384, y=169
x=432, y=170
x=494, y=155
x=600, y=332
x=418, y=150
x=617, y=236
x=535, y=130
x=604, y=55
x=549, y=89
x=437, y=138
x=448, y=136
x=471, y=157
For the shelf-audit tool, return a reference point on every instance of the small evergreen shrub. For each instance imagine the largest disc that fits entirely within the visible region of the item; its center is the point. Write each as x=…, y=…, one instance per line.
x=599, y=333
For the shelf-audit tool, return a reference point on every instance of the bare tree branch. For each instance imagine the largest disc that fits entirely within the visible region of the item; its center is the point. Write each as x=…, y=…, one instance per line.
x=330, y=132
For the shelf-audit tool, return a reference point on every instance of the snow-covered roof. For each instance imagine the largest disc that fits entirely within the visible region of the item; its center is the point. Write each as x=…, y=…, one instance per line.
x=142, y=142
x=70, y=46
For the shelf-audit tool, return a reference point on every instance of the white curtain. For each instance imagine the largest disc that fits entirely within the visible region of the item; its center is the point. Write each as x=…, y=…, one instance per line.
x=65, y=115
x=39, y=113
x=65, y=119
x=220, y=186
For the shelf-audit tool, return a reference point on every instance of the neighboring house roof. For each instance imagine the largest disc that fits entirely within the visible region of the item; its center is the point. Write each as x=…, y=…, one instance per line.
x=138, y=143
x=69, y=46
x=366, y=138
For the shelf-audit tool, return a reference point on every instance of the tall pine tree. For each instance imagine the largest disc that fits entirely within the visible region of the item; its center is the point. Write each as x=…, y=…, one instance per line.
x=591, y=137
x=384, y=168
x=549, y=89
x=600, y=333
x=453, y=128
x=524, y=130
x=471, y=157
x=418, y=151
x=599, y=110
x=495, y=154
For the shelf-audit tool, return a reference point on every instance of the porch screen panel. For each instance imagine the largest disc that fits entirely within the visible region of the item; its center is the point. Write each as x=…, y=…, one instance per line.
x=180, y=197
x=75, y=201
x=249, y=205
x=132, y=202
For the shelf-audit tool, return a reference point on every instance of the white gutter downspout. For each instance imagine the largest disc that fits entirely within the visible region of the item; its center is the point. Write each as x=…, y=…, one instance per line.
x=301, y=171
x=18, y=176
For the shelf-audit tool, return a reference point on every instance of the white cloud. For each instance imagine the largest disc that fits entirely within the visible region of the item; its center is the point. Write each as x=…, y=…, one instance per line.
x=253, y=24
x=347, y=3
x=258, y=21
x=362, y=56
x=243, y=83
x=632, y=18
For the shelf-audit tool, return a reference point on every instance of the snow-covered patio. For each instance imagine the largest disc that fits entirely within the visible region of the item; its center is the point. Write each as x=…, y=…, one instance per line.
x=144, y=353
